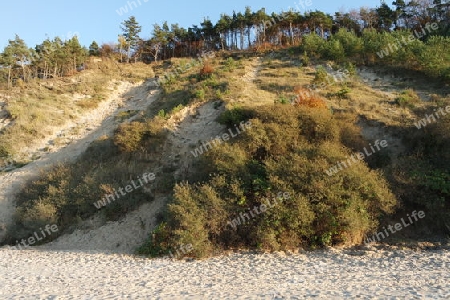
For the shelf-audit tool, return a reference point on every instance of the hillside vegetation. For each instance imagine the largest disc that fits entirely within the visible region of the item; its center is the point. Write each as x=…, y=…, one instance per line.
x=303, y=99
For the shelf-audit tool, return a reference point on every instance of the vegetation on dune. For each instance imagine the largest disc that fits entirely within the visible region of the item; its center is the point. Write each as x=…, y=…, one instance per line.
x=422, y=176
x=376, y=48
x=286, y=150
x=65, y=194
x=303, y=122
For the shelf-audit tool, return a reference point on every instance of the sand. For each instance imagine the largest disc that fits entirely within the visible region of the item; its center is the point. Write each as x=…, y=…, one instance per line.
x=91, y=126
x=332, y=274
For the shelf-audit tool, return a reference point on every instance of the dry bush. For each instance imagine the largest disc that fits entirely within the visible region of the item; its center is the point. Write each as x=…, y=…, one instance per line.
x=308, y=98
x=207, y=70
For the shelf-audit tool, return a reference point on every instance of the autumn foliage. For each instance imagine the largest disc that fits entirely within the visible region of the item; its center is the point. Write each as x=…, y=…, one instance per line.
x=207, y=70
x=306, y=97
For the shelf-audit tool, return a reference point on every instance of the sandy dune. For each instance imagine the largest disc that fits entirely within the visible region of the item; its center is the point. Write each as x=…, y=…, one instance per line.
x=94, y=124
x=85, y=264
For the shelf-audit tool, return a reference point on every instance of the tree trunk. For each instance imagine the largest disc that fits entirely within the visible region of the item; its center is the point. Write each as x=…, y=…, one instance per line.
x=9, y=77
x=291, y=32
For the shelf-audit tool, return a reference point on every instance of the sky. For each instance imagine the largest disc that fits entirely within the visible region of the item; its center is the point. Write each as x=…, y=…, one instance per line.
x=100, y=20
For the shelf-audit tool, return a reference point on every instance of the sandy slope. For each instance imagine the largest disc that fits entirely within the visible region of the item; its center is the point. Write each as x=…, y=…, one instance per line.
x=334, y=274
x=93, y=124
x=191, y=125
x=78, y=266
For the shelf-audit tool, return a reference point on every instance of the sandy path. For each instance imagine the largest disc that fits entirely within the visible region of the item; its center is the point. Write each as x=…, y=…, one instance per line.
x=198, y=124
x=122, y=237
x=323, y=275
x=94, y=124
x=251, y=94
x=392, y=84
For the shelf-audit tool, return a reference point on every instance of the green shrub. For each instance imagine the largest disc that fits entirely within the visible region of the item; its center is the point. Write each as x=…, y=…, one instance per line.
x=234, y=116
x=286, y=150
x=342, y=93
x=350, y=42
x=65, y=194
x=158, y=244
x=350, y=69
x=334, y=50
x=162, y=114
x=200, y=94
x=177, y=109
x=407, y=98
x=128, y=137
x=306, y=61
x=314, y=45
x=230, y=64
x=322, y=77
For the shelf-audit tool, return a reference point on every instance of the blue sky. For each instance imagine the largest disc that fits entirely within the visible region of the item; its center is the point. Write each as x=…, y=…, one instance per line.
x=97, y=20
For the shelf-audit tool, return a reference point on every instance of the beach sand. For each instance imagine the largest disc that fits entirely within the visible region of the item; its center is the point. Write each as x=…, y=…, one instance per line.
x=331, y=274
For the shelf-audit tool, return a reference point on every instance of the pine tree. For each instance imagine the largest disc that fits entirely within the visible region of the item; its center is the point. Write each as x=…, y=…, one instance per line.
x=131, y=30
x=76, y=54
x=7, y=61
x=16, y=53
x=386, y=17
x=94, y=49
x=249, y=18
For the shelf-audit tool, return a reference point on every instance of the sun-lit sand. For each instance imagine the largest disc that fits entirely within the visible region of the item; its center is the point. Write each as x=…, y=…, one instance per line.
x=333, y=274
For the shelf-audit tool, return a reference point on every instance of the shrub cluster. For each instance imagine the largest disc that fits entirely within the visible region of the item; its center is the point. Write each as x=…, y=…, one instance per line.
x=430, y=56
x=422, y=176
x=129, y=136
x=287, y=150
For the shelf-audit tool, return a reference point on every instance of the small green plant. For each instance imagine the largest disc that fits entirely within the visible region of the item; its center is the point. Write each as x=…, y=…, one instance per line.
x=350, y=68
x=437, y=181
x=162, y=114
x=407, y=99
x=343, y=93
x=306, y=61
x=282, y=99
x=322, y=77
x=219, y=94
x=200, y=94
x=230, y=64
x=177, y=109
